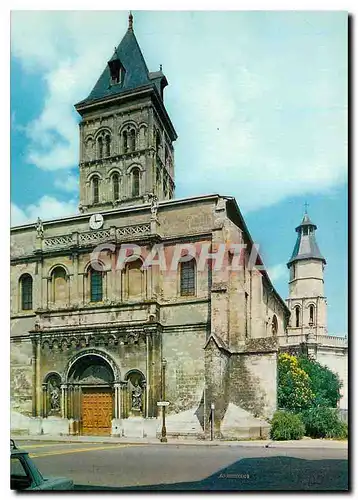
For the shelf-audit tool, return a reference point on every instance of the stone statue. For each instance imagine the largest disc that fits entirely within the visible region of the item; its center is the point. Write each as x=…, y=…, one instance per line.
x=54, y=395
x=137, y=396
x=39, y=228
x=154, y=206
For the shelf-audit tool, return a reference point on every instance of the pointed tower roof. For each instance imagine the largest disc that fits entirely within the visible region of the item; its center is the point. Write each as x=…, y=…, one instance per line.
x=129, y=58
x=306, y=246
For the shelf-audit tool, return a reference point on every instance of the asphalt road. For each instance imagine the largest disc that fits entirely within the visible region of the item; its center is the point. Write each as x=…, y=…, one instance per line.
x=187, y=467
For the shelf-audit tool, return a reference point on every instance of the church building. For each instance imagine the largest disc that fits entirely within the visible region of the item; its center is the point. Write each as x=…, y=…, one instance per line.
x=143, y=298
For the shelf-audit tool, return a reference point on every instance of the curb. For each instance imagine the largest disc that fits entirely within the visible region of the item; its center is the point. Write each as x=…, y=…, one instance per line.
x=309, y=444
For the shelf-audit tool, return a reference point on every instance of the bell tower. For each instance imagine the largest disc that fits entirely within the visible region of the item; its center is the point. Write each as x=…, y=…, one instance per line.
x=306, y=301
x=126, y=136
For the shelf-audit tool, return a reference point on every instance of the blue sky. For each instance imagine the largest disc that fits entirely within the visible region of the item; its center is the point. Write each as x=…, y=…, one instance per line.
x=259, y=101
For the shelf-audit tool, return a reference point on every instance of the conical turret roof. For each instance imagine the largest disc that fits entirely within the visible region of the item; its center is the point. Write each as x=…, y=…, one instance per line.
x=306, y=246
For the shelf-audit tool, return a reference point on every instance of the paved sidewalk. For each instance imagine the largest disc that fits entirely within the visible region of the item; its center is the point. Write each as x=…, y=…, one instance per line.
x=304, y=443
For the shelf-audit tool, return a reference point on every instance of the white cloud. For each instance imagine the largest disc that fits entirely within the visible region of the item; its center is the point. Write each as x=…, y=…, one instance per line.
x=277, y=272
x=46, y=208
x=67, y=182
x=61, y=46
x=259, y=99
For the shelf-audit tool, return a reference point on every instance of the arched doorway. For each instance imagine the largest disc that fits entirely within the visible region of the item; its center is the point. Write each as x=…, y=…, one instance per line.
x=92, y=398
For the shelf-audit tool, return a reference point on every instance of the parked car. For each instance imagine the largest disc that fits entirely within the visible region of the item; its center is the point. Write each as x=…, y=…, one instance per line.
x=26, y=476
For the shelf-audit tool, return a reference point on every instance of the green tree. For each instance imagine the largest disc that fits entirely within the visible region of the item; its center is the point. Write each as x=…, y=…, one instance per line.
x=324, y=383
x=294, y=391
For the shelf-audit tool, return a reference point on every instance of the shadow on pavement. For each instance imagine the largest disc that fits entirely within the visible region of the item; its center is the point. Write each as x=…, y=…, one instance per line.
x=272, y=473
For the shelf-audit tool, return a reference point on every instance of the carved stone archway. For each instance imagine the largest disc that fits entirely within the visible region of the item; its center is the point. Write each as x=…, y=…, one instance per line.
x=91, y=392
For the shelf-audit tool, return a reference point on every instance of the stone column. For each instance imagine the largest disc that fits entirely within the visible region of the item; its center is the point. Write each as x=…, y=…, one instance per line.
x=45, y=298
x=44, y=401
x=124, y=393
x=70, y=399
x=76, y=411
x=39, y=286
x=117, y=401
x=38, y=378
x=75, y=288
x=63, y=401
x=33, y=363
x=145, y=405
x=147, y=336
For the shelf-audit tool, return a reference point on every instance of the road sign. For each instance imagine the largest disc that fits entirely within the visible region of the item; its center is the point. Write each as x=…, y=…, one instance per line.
x=163, y=403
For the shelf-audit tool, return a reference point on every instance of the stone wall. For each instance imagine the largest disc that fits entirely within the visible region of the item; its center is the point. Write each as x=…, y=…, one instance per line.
x=185, y=369
x=337, y=361
x=21, y=377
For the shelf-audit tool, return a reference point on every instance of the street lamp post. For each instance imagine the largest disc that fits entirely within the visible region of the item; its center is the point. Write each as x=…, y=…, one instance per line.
x=163, y=439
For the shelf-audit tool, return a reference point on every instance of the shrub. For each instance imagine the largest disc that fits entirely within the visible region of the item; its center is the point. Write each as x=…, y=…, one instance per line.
x=286, y=425
x=321, y=422
x=325, y=384
x=294, y=391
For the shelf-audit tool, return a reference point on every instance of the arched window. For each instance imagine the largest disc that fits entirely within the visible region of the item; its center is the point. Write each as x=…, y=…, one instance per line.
x=108, y=145
x=26, y=292
x=132, y=140
x=311, y=315
x=135, y=182
x=59, y=285
x=100, y=147
x=274, y=326
x=95, y=189
x=96, y=285
x=187, y=278
x=297, y=316
x=115, y=182
x=125, y=141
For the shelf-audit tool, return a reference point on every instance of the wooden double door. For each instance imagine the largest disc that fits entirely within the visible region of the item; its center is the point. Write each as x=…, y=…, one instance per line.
x=97, y=410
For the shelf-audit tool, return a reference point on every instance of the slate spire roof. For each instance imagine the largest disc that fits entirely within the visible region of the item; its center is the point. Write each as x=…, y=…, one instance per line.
x=306, y=246
x=129, y=57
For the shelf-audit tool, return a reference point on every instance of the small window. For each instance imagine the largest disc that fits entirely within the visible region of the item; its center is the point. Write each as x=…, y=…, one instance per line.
x=115, y=181
x=187, y=278
x=96, y=286
x=108, y=145
x=297, y=316
x=305, y=231
x=293, y=272
x=26, y=292
x=135, y=182
x=312, y=315
x=116, y=71
x=100, y=147
x=125, y=141
x=95, y=189
x=132, y=140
